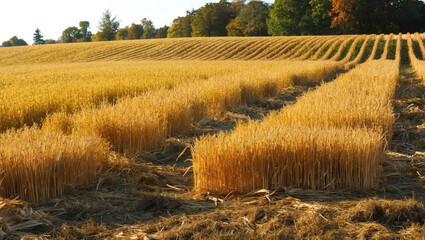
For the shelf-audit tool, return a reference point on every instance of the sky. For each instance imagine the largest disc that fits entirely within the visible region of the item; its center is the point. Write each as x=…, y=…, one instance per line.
x=21, y=18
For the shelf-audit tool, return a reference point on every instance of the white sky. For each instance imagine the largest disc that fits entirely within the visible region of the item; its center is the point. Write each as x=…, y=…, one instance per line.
x=21, y=18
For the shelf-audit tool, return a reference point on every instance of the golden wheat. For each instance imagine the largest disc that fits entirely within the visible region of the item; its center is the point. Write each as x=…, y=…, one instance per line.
x=331, y=138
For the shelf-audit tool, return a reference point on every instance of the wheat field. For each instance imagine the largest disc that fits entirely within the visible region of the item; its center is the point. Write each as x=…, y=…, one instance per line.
x=69, y=106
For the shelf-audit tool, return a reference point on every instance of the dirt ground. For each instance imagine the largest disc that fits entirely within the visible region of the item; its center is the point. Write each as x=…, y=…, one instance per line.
x=151, y=197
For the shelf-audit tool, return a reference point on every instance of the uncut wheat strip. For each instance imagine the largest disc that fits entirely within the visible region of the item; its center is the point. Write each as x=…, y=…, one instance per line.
x=195, y=51
x=262, y=156
x=387, y=46
x=278, y=45
x=398, y=48
x=304, y=48
x=342, y=47
x=313, y=48
x=350, y=52
x=331, y=49
x=227, y=52
x=142, y=124
x=257, y=50
x=183, y=55
x=215, y=50
x=69, y=87
x=119, y=53
x=359, y=56
x=375, y=47
x=223, y=49
x=418, y=65
x=108, y=52
x=128, y=55
x=321, y=49
x=45, y=165
x=281, y=50
x=101, y=55
x=178, y=47
x=301, y=41
x=217, y=169
x=244, y=47
x=368, y=91
x=421, y=44
x=308, y=48
x=175, y=54
x=173, y=48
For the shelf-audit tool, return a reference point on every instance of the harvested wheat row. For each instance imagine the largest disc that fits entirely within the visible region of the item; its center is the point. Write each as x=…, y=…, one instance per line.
x=332, y=137
x=38, y=165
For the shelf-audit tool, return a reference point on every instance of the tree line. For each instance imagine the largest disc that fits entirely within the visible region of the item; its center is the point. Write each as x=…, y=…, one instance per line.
x=257, y=18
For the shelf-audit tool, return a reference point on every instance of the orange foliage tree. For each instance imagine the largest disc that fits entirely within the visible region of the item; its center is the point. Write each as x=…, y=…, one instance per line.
x=342, y=12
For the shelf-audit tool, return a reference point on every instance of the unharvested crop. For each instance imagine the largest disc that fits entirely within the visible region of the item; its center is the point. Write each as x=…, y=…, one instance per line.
x=38, y=165
x=332, y=137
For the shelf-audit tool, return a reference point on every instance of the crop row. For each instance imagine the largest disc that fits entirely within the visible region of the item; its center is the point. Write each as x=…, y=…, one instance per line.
x=332, y=137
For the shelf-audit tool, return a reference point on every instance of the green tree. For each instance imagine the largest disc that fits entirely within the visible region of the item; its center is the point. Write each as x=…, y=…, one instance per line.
x=135, y=31
x=14, y=41
x=253, y=18
x=181, y=26
x=149, y=30
x=84, y=30
x=37, y=37
x=70, y=35
x=108, y=27
x=321, y=17
x=122, y=34
x=299, y=17
x=212, y=19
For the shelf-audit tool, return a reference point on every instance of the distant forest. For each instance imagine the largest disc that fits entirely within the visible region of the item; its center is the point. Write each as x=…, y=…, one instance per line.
x=257, y=18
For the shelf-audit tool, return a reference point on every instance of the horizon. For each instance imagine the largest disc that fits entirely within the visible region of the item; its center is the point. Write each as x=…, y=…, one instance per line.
x=58, y=16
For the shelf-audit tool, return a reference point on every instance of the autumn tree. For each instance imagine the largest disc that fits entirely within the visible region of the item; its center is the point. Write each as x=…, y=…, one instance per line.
x=162, y=32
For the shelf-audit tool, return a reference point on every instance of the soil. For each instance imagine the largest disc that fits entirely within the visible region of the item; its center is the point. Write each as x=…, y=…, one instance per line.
x=150, y=196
